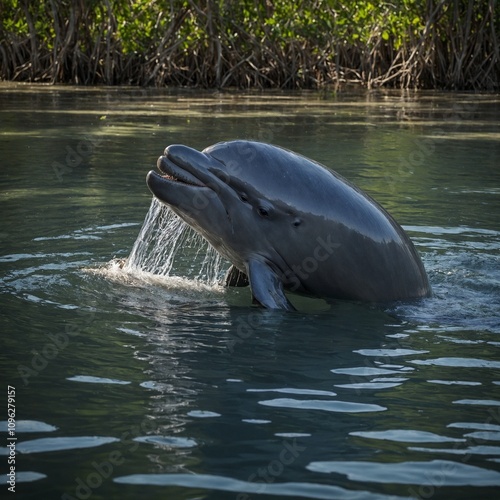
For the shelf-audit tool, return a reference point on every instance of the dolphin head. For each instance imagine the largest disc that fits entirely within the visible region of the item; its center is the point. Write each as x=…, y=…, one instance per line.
x=234, y=194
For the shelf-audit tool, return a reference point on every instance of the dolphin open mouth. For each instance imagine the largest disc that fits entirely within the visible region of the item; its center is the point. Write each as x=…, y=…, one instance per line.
x=184, y=171
x=175, y=173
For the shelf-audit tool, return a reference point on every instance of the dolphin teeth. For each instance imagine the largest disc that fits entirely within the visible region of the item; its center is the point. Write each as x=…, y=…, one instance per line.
x=171, y=178
x=181, y=180
x=175, y=173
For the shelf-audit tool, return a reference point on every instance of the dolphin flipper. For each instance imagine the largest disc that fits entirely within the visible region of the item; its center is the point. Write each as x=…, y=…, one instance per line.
x=267, y=288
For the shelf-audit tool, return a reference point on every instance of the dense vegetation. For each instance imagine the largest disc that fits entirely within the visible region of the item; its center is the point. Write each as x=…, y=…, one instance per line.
x=450, y=44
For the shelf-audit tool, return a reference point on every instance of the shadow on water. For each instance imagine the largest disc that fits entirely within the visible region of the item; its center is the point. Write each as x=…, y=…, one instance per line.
x=129, y=385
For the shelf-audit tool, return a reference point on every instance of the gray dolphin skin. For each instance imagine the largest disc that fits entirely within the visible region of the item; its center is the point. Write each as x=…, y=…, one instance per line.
x=286, y=222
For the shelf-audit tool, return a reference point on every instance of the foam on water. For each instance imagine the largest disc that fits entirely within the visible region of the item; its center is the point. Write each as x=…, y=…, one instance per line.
x=169, y=264
x=155, y=257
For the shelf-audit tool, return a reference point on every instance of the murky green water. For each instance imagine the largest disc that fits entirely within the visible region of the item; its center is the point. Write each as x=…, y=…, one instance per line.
x=127, y=388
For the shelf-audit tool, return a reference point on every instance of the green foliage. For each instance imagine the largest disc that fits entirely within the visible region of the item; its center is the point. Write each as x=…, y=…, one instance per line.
x=249, y=42
x=12, y=18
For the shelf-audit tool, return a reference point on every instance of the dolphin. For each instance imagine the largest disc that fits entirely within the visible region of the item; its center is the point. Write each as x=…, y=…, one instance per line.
x=286, y=222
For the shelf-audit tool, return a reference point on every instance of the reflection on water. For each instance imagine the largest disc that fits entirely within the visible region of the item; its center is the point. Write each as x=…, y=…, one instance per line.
x=168, y=387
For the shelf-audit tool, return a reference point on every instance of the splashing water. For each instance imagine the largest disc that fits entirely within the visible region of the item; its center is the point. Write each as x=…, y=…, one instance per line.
x=156, y=249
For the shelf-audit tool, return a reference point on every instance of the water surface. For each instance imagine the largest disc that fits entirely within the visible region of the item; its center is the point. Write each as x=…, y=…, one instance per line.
x=168, y=388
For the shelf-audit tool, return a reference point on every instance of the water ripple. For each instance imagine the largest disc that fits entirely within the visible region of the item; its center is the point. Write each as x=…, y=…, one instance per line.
x=203, y=414
x=313, y=404
x=291, y=390
x=475, y=425
x=28, y=426
x=484, y=435
x=390, y=353
x=480, y=402
x=406, y=436
x=453, y=382
x=24, y=477
x=471, y=450
x=442, y=472
x=97, y=380
x=28, y=256
x=457, y=362
x=221, y=483
x=62, y=443
x=366, y=371
x=369, y=385
x=167, y=441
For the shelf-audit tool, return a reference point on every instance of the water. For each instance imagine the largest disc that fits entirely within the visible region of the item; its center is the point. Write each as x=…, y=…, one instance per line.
x=132, y=384
x=162, y=249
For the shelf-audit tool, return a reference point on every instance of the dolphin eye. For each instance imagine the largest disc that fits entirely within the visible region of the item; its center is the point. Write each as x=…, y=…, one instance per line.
x=297, y=222
x=263, y=212
x=244, y=197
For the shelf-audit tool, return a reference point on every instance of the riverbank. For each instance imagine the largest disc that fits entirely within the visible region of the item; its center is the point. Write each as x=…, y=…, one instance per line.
x=446, y=44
